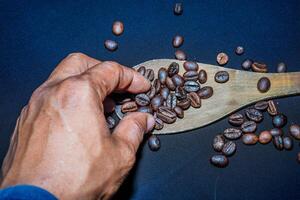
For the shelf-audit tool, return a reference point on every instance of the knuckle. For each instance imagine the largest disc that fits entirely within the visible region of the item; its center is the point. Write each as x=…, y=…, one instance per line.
x=111, y=65
x=76, y=56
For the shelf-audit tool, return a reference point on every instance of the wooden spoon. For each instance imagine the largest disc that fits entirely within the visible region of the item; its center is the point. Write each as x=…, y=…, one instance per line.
x=239, y=91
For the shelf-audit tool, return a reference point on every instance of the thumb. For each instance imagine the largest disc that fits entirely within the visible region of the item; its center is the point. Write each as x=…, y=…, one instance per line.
x=132, y=127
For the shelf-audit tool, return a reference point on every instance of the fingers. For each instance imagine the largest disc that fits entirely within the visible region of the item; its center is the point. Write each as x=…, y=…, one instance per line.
x=132, y=128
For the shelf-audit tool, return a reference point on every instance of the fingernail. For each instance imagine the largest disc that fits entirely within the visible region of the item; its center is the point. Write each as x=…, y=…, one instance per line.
x=150, y=122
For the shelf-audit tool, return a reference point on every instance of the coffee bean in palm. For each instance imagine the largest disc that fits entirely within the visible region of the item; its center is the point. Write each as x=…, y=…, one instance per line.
x=184, y=103
x=149, y=74
x=178, y=8
x=259, y=67
x=171, y=101
x=151, y=93
x=219, y=161
x=263, y=84
x=142, y=70
x=229, y=148
x=276, y=132
x=130, y=106
x=195, y=99
x=287, y=143
x=180, y=93
x=254, y=115
x=157, y=85
x=159, y=124
x=145, y=109
x=295, y=131
x=111, y=122
x=118, y=28
x=162, y=75
x=261, y=105
x=166, y=115
x=180, y=55
x=239, y=50
x=170, y=84
x=173, y=69
x=249, y=127
x=142, y=99
x=232, y=133
x=236, y=119
x=190, y=66
x=249, y=138
x=111, y=45
x=179, y=112
x=246, y=64
x=190, y=76
x=281, y=67
x=205, y=92
x=191, y=86
x=278, y=142
x=156, y=102
x=164, y=93
x=222, y=77
x=154, y=143
x=177, y=41
x=222, y=58
x=218, y=143
x=279, y=120
x=177, y=80
x=202, y=77
x=272, y=108
x=265, y=137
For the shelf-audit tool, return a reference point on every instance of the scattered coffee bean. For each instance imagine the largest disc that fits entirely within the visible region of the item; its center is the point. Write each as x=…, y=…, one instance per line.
x=162, y=75
x=202, y=77
x=261, y=105
x=111, y=45
x=173, y=69
x=159, y=124
x=287, y=143
x=249, y=138
x=249, y=127
x=222, y=58
x=171, y=101
x=229, y=148
x=190, y=76
x=279, y=120
x=236, y=119
x=177, y=80
x=180, y=55
x=272, y=108
x=191, y=86
x=232, y=133
x=281, y=67
x=166, y=115
x=276, y=132
x=263, y=84
x=265, y=137
x=205, y=92
x=164, y=93
x=177, y=41
x=222, y=77
x=278, y=142
x=254, y=115
x=220, y=161
x=218, y=143
x=239, y=50
x=246, y=64
x=142, y=70
x=154, y=143
x=149, y=74
x=145, y=109
x=178, y=8
x=195, y=99
x=118, y=28
x=142, y=99
x=259, y=67
x=190, y=66
x=156, y=102
x=151, y=93
x=179, y=112
x=130, y=106
x=170, y=84
x=180, y=93
x=295, y=131
x=111, y=122
x=157, y=85
x=184, y=103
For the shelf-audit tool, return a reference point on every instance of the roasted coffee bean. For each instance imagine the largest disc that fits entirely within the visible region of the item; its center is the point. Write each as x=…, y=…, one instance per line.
x=180, y=55
x=218, y=143
x=279, y=120
x=164, y=93
x=222, y=77
x=111, y=122
x=239, y=50
x=281, y=67
x=170, y=84
x=229, y=148
x=142, y=99
x=295, y=131
x=162, y=75
x=145, y=109
x=219, y=161
x=111, y=45
x=190, y=66
x=246, y=64
x=190, y=76
x=287, y=143
x=180, y=93
x=179, y=112
x=265, y=137
x=122, y=101
x=259, y=67
x=177, y=41
x=118, y=112
x=159, y=124
x=263, y=84
x=205, y=92
x=276, y=132
x=202, y=77
x=178, y=8
x=249, y=138
x=195, y=99
x=171, y=101
x=272, y=108
x=236, y=119
x=261, y=105
x=156, y=102
x=249, y=127
x=149, y=74
x=173, y=69
x=130, y=106
x=232, y=133
x=184, y=103
x=154, y=143
x=166, y=115
x=177, y=80
x=278, y=142
x=222, y=58
x=191, y=86
x=157, y=85
x=254, y=115
x=118, y=28
x=151, y=93
x=142, y=70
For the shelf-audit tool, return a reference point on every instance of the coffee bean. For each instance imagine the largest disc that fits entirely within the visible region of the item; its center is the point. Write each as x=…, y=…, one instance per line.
x=222, y=77
x=222, y=58
x=249, y=138
x=149, y=74
x=295, y=131
x=154, y=143
x=202, y=77
x=191, y=86
x=177, y=80
x=178, y=8
x=159, y=124
x=272, y=108
x=111, y=122
x=157, y=85
x=279, y=120
x=276, y=132
x=218, y=143
x=229, y=148
x=184, y=103
x=195, y=99
x=179, y=112
x=205, y=92
x=190, y=76
x=118, y=28
x=263, y=84
x=130, y=106
x=173, y=69
x=166, y=115
x=142, y=99
x=232, y=133
x=190, y=66
x=287, y=143
x=170, y=84
x=177, y=41
x=151, y=93
x=281, y=67
x=254, y=115
x=236, y=119
x=111, y=45
x=145, y=109
x=164, y=93
x=261, y=105
x=249, y=127
x=171, y=101
x=246, y=64
x=162, y=75
x=219, y=161
x=239, y=50
x=180, y=93
x=180, y=55
x=118, y=112
x=142, y=70
x=278, y=142
x=265, y=137
x=259, y=67
x=122, y=101
x=156, y=102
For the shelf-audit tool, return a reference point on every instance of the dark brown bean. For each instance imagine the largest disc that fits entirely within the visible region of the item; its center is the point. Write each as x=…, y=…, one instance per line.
x=154, y=143
x=170, y=84
x=111, y=45
x=156, y=102
x=157, y=85
x=177, y=41
x=219, y=161
x=239, y=50
x=236, y=119
x=263, y=84
x=202, y=77
x=180, y=93
x=287, y=143
x=229, y=148
x=261, y=105
x=276, y=132
x=164, y=93
x=195, y=99
x=218, y=143
x=118, y=28
x=178, y=8
x=177, y=80
x=130, y=106
x=191, y=86
x=246, y=64
x=222, y=58
x=205, y=92
x=180, y=55
x=142, y=70
x=222, y=77
x=272, y=108
x=166, y=115
x=190, y=66
x=295, y=131
x=179, y=112
x=232, y=133
x=145, y=109
x=249, y=127
x=159, y=124
x=125, y=100
x=151, y=93
x=171, y=101
x=281, y=67
x=149, y=74
x=111, y=122
x=190, y=76
x=278, y=142
x=184, y=104
x=254, y=115
x=259, y=67
x=142, y=99
x=162, y=75
x=265, y=137
x=173, y=69
x=249, y=138
x=279, y=120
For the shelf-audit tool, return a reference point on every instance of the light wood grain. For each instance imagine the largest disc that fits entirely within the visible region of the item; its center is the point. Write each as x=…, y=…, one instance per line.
x=239, y=91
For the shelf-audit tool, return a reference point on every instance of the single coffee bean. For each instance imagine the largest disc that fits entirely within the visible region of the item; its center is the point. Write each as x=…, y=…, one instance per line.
x=118, y=28
x=239, y=50
x=184, y=103
x=261, y=105
x=295, y=131
x=142, y=99
x=164, y=93
x=159, y=124
x=259, y=67
x=149, y=74
x=130, y=106
x=278, y=142
x=179, y=112
x=170, y=84
x=219, y=161
x=122, y=101
x=177, y=80
x=190, y=76
x=265, y=137
x=154, y=143
x=232, y=133
x=145, y=109
x=254, y=115
x=218, y=143
x=236, y=119
x=156, y=102
x=180, y=93
x=171, y=101
x=166, y=115
x=287, y=143
x=246, y=64
x=173, y=69
x=177, y=41
x=142, y=70
x=249, y=138
x=263, y=84
x=249, y=127
x=111, y=122
x=279, y=120
x=190, y=66
x=191, y=86
x=111, y=45
x=276, y=132
x=151, y=93
x=222, y=77
x=222, y=58
x=157, y=85
x=272, y=108
x=119, y=112
x=180, y=55
x=202, y=77
x=178, y=8
x=281, y=67
x=195, y=99
x=229, y=148
x=205, y=92
x=162, y=75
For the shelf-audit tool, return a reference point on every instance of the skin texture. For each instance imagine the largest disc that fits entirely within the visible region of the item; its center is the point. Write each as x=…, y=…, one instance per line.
x=61, y=141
